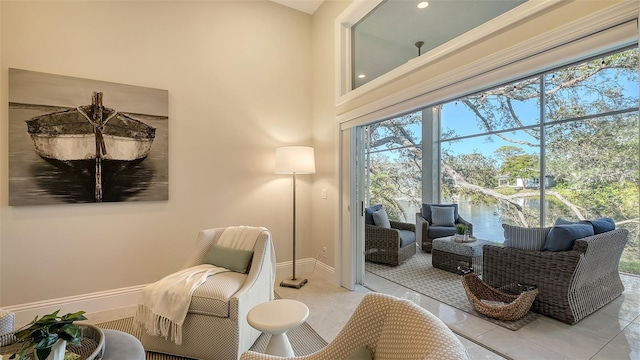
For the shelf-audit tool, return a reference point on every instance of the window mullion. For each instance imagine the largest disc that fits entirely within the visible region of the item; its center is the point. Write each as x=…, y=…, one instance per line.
x=543, y=172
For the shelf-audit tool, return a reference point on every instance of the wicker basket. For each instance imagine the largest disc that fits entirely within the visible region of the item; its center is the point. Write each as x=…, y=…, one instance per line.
x=495, y=303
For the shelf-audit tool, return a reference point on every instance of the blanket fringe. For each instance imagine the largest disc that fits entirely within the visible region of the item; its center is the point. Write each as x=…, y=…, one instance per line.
x=156, y=325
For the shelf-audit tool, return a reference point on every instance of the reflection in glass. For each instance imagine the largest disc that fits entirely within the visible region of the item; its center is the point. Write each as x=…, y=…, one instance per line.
x=386, y=37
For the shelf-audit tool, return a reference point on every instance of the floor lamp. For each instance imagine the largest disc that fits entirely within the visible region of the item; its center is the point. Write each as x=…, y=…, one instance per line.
x=295, y=160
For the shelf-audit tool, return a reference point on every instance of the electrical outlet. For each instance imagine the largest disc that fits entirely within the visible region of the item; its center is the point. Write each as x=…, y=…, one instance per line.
x=324, y=252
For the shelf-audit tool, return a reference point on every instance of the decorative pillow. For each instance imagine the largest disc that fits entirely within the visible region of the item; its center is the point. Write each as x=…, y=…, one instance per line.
x=599, y=225
x=442, y=216
x=562, y=237
x=380, y=218
x=603, y=225
x=561, y=221
x=525, y=238
x=361, y=353
x=229, y=258
x=426, y=211
x=368, y=213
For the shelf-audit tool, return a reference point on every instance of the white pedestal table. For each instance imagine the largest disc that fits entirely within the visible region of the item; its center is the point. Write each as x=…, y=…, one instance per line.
x=276, y=318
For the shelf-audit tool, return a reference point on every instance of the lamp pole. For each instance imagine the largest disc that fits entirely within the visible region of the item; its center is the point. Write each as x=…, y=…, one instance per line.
x=294, y=160
x=294, y=226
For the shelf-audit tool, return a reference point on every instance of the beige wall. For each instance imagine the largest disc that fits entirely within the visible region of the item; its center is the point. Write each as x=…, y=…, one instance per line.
x=325, y=129
x=239, y=80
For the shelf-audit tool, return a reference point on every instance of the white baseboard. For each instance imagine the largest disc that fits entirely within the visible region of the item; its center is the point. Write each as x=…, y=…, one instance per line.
x=127, y=297
x=308, y=267
x=91, y=303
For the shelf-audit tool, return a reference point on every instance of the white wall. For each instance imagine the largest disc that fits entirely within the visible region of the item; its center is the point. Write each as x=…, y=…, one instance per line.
x=239, y=80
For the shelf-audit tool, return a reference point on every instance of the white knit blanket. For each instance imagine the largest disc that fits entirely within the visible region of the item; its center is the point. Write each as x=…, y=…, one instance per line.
x=164, y=304
x=240, y=237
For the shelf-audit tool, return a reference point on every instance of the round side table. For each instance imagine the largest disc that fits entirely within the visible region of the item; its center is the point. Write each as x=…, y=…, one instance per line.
x=276, y=318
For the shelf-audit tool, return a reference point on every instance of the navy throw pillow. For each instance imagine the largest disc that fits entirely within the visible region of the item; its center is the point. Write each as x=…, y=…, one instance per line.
x=561, y=221
x=602, y=225
x=368, y=214
x=562, y=237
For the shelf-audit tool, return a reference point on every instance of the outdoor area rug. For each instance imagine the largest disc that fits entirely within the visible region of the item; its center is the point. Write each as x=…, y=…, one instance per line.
x=418, y=275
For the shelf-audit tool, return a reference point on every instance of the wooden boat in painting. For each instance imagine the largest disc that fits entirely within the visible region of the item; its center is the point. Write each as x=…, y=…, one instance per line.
x=89, y=135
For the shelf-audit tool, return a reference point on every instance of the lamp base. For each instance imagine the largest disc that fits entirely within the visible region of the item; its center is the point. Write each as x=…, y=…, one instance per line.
x=293, y=283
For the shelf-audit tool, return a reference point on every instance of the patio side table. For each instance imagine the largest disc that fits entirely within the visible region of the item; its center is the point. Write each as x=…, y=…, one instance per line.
x=448, y=254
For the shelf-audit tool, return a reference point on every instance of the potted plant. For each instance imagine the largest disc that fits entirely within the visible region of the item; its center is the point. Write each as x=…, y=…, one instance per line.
x=461, y=232
x=48, y=333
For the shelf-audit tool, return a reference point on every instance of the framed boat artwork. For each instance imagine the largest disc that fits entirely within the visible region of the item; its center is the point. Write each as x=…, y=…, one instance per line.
x=74, y=140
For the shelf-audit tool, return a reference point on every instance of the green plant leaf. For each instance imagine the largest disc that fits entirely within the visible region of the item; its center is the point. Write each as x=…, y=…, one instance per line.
x=76, y=316
x=43, y=353
x=71, y=333
x=47, y=341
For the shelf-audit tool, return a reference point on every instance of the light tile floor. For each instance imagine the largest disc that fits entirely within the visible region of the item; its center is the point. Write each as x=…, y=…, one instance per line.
x=330, y=307
x=611, y=333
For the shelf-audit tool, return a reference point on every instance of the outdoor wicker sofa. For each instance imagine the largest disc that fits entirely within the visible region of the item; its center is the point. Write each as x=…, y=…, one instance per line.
x=572, y=284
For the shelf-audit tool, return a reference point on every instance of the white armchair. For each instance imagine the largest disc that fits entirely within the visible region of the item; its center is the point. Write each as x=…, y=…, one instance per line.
x=216, y=323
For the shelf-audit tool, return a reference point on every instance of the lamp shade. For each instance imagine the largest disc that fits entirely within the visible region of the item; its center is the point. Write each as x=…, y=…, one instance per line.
x=295, y=160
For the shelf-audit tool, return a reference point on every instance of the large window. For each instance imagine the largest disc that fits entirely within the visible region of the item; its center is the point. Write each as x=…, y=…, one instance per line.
x=515, y=154
x=394, y=162
x=563, y=144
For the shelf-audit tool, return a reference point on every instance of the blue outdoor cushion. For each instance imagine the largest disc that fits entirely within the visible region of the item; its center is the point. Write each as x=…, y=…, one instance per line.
x=599, y=225
x=561, y=221
x=407, y=237
x=426, y=211
x=602, y=225
x=443, y=216
x=368, y=214
x=562, y=237
x=380, y=218
x=441, y=231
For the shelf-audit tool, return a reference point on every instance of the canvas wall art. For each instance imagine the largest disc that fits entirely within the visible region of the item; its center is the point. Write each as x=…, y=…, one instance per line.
x=74, y=140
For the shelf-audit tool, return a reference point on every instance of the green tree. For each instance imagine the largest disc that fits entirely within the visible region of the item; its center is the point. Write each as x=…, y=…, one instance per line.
x=523, y=167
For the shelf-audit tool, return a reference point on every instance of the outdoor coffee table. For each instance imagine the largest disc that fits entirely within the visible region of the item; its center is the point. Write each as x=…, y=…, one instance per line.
x=276, y=318
x=448, y=254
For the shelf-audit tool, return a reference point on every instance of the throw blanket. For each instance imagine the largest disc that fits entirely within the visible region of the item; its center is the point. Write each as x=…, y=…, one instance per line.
x=240, y=237
x=164, y=304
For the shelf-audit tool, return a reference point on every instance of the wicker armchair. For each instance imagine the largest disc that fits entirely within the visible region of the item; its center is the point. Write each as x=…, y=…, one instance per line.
x=572, y=284
x=425, y=232
x=384, y=245
x=391, y=328
x=392, y=243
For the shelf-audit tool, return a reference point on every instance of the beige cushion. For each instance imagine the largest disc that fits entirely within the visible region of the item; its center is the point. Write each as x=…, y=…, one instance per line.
x=212, y=297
